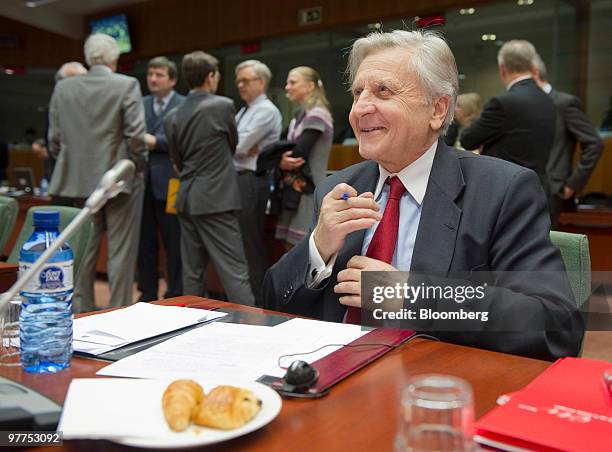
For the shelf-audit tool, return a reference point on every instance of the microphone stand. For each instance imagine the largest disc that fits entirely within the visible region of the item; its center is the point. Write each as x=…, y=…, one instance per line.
x=107, y=189
x=67, y=232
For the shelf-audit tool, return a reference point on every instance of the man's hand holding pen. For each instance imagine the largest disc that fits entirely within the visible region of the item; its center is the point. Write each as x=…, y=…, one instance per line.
x=343, y=211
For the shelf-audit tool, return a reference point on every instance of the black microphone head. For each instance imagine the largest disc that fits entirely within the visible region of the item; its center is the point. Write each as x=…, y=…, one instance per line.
x=301, y=375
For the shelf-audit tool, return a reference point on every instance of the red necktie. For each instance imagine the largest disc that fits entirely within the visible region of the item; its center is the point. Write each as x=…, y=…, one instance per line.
x=383, y=242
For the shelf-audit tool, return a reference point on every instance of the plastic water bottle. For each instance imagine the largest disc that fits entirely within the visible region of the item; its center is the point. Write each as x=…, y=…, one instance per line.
x=44, y=186
x=45, y=321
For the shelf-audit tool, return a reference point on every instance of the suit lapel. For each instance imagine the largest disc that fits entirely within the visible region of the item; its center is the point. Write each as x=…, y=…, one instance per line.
x=440, y=215
x=364, y=181
x=150, y=113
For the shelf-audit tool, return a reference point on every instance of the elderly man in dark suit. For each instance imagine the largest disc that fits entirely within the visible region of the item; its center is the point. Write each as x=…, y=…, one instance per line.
x=96, y=119
x=418, y=205
x=518, y=125
x=202, y=139
x=161, y=78
x=572, y=127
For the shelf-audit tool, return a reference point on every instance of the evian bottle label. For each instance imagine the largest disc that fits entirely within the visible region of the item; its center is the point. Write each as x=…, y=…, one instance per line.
x=52, y=278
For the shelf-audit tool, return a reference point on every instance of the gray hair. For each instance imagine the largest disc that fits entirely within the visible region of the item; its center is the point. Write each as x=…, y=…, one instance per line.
x=431, y=60
x=517, y=55
x=69, y=69
x=101, y=49
x=261, y=70
x=538, y=64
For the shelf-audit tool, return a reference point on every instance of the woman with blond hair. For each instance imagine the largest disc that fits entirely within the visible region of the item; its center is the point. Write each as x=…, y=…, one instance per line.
x=303, y=167
x=468, y=108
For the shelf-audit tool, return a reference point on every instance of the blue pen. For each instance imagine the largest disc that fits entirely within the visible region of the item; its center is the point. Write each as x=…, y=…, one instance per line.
x=345, y=196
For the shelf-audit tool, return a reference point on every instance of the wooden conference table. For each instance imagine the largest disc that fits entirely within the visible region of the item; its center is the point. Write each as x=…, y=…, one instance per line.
x=361, y=412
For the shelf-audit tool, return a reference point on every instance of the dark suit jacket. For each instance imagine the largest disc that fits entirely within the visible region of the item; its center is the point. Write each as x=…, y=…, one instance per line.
x=159, y=169
x=572, y=126
x=517, y=126
x=202, y=139
x=478, y=214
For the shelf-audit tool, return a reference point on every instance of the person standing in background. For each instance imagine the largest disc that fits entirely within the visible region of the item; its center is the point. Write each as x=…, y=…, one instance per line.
x=304, y=167
x=161, y=79
x=40, y=147
x=202, y=138
x=572, y=127
x=518, y=125
x=259, y=123
x=468, y=108
x=95, y=120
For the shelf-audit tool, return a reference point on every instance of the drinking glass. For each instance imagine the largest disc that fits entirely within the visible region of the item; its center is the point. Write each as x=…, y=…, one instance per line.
x=9, y=333
x=437, y=415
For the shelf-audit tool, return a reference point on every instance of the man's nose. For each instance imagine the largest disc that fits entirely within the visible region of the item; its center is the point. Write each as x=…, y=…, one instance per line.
x=363, y=105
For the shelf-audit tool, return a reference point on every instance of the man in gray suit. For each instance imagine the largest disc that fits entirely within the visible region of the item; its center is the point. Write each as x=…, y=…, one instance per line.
x=161, y=78
x=572, y=127
x=202, y=139
x=96, y=119
x=418, y=205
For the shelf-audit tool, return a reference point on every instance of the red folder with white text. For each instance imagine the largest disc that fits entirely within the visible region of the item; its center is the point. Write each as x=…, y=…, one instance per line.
x=567, y=407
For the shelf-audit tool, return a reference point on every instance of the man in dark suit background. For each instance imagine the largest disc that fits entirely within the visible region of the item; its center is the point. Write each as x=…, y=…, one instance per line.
x=572, y=127
x=161, y=79
x=518, y=125
x=202, y=139
x=453, y=213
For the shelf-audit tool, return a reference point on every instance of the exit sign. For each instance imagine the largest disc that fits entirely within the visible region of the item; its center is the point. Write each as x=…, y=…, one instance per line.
x=310, y=16
x=251, y=47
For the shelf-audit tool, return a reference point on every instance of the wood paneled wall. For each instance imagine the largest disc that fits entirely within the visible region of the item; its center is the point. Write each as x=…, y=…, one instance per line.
x=37, y=47
x=170, y=26
x=178, y=26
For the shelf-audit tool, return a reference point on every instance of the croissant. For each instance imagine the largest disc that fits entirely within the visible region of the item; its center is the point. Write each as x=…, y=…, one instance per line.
x=180, y=401
x=227, y=407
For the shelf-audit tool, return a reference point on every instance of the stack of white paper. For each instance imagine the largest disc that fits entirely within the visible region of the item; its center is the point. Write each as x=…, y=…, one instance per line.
x=235, y=350
x=97, y=334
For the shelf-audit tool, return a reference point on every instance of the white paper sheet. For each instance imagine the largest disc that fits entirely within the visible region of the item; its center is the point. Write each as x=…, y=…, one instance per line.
x=100, y=333
x=233, y=350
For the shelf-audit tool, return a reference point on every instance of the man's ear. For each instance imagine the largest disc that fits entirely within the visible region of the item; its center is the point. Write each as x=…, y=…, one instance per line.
x=440, y=109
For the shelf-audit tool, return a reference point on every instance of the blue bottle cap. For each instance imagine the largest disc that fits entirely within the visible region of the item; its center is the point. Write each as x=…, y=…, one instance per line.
x=46, y=219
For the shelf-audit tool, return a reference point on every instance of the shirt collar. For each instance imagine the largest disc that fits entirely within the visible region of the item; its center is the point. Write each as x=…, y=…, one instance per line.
x=165, y=99
x=414, y=177
x=516, y=80
x=258, y=99
x=547, y=88
x=101, y=67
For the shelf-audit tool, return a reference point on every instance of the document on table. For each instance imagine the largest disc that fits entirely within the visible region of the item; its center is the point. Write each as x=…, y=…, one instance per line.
x=97, y=334
x=234, y=350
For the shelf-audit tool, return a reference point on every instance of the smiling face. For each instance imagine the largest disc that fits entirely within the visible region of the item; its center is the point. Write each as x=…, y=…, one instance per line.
x=390, y=115
x=298, y=88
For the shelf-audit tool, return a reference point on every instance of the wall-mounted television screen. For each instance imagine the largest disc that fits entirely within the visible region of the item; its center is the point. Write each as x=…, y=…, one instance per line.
x=115, y=26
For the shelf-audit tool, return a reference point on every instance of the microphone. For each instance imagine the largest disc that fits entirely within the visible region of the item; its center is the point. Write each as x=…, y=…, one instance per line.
x=111, y=184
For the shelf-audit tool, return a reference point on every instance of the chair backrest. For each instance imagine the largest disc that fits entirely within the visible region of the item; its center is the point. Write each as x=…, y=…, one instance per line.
x=78, y=241
x=575, y=253
x=8, y=214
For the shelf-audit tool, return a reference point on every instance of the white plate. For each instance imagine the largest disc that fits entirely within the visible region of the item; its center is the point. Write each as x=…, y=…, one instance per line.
x=139, y=420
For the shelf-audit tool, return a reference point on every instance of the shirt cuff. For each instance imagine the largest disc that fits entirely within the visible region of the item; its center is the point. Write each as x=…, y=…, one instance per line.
x=317, y=270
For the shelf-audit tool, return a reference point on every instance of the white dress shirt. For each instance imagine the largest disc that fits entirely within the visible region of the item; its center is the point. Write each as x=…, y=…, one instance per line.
x=258, y=125
x=160, y=103
x=415, y=178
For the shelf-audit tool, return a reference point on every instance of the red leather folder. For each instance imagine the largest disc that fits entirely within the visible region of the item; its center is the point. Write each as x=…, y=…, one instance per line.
x=338, y=365
x=567, y=407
